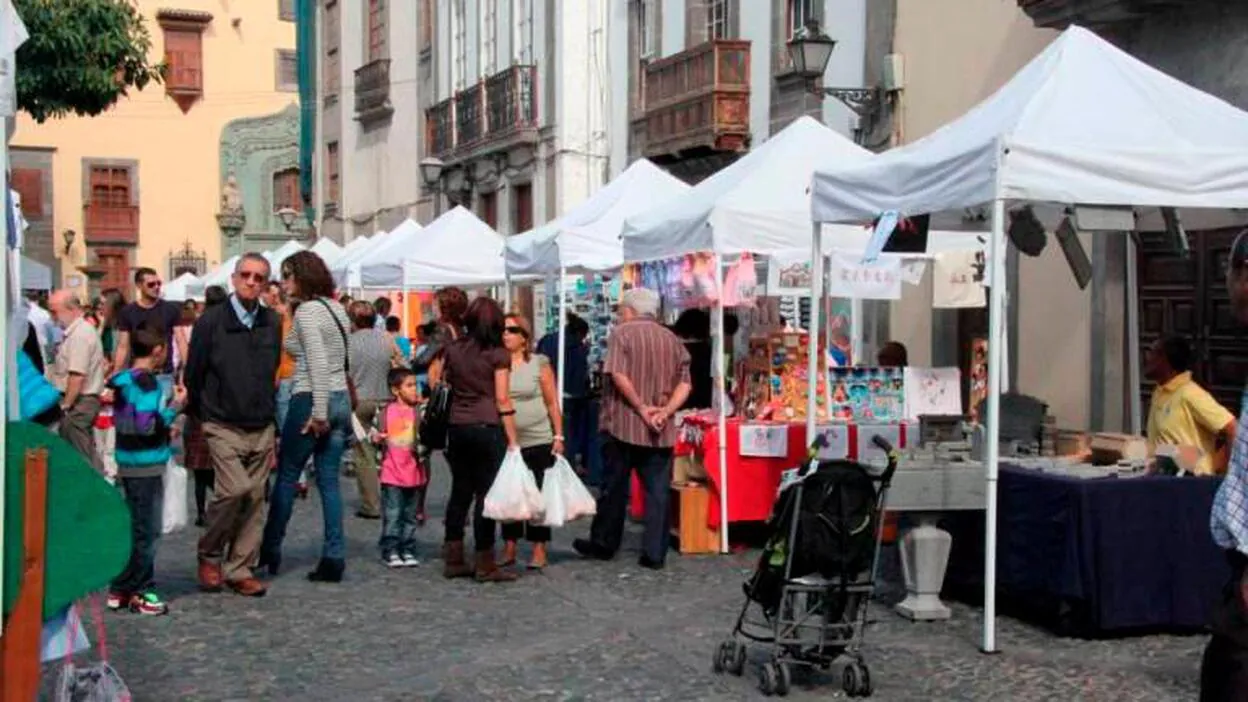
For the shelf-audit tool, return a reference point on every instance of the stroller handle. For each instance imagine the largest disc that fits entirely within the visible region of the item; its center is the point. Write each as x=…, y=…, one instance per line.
x=884, y=445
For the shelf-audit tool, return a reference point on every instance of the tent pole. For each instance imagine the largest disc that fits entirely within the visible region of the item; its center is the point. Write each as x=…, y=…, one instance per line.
x=816, y=296
x=996, y=323
x=718, y=350
x=563, y=332
x=1133, y=336
x=506, y=290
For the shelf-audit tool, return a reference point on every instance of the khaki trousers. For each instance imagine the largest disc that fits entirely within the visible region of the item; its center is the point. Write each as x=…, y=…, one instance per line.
x=234, y=523
x=78, y=428
x=366, y=469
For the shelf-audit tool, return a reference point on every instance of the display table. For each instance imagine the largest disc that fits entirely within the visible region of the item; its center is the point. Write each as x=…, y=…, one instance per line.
x=1100, y=555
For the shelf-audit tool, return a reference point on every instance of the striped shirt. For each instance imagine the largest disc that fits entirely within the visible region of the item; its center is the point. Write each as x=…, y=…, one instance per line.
x=655, y=360
x=320, y=350
x=1228, y=520
x=371, y=351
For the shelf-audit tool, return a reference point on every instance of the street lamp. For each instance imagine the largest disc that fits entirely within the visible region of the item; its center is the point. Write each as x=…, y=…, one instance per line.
x=431, y=173
x=288, y=216
x=68, y=235
x=809, y=51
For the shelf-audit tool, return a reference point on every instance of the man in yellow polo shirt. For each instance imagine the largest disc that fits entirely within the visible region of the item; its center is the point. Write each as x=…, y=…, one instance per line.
x=1181, y=412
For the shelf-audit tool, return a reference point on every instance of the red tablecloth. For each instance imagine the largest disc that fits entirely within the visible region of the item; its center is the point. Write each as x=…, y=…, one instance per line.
x=752, y=480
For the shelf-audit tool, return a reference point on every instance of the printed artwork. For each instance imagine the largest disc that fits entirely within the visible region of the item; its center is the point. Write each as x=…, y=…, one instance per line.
x=867, y=394
x=835, y=441
x=979, y=376
x=933, y=391
x=789, y=275
x=765, y=440
x=840, y=323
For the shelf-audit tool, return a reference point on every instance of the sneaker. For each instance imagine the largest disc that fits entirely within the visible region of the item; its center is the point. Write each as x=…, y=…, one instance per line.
x=393, y=560
x=148, y=603
x=117, y=601
x=410, y=560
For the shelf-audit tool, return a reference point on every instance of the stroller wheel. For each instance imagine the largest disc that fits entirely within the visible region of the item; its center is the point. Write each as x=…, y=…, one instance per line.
x=774, y=679
x=856, y=680
x=736, y=662
x=720, y=662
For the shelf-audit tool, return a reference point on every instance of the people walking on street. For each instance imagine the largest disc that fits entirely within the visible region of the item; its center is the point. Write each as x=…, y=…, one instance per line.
x=381, y=311
x=403, y=475
x=539, y=428
x=229, y=378
x=576, y=391
x=372, y=355
x=150, y=311
x=482, y=427
x=79, y=372
x=143, y=419
x=451, y=304
x=394, y=327
x=108, y=311
x=648, y=368
x=319, y=419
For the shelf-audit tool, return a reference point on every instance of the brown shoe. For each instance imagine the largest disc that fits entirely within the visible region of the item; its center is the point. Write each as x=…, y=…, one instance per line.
x=539, y=559
x=248, y=587
x=210, y=577
x=489, y=572
x=454, y=565
x=509, y=554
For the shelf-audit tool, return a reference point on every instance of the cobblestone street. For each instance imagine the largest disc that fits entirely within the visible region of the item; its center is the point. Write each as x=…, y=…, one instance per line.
x=580, y=631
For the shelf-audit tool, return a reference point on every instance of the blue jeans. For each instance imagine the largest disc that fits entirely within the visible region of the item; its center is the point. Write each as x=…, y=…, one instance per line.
x=398, y=519
x=326, y=453
x=144, y=497
x=654, y=468
x=284, y=390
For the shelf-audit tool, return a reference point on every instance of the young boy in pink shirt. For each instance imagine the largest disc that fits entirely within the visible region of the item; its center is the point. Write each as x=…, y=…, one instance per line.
x=404, y=476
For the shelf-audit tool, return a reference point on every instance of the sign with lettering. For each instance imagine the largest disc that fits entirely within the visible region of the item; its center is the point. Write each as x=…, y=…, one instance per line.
x=853, y=278
x=765, y=440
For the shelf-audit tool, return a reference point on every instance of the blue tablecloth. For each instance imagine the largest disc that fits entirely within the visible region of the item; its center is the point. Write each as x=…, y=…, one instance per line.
x=1106, y=555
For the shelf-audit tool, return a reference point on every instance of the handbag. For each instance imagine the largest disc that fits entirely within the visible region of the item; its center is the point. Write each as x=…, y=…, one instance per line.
x=346, y=355
x=436, y=419
x=37, y=394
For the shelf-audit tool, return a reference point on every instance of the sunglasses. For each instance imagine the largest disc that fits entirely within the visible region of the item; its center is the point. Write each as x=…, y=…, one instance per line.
x=153, y=284
x=515, y=330
x=251, y=277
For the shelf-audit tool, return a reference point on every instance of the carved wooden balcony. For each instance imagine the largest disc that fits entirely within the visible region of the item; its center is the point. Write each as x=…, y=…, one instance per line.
x=372, y=92
x=111, y=225
x=698, y=100
x=496, y=114
x=1059, y=14
x=440, y=128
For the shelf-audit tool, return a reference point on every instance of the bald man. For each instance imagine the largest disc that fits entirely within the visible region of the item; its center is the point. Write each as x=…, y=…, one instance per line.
x=78, y=372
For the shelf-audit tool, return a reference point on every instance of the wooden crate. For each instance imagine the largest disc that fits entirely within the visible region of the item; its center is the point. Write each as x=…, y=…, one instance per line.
x=689, y=504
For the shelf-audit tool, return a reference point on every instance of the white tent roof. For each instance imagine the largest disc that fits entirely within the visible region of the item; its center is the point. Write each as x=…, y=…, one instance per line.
x=281, y=254
x=588, y=237
x=455, y=249
x=346, y=269
x=760, y=204
x=1084, y=122
x=327, y=249
x=35, y=275
x=185, y=287
x=221, y=274
x=383, y=266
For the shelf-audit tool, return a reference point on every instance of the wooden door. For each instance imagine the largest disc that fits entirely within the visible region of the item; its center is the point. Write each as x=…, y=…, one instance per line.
x=116, y=266
x=1187, y=297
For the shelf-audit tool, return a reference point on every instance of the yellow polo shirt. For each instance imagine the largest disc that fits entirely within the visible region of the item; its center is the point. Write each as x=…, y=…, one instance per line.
x=1183, y=414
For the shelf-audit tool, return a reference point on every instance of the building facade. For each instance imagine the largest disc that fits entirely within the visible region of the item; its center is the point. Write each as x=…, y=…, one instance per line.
x=143, y=184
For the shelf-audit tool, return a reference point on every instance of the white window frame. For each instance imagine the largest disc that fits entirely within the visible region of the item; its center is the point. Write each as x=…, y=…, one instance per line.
x=718, y=19
x=459, y=46
x=489, y=37
x=646, y=48
x=522, y=39
x=800, y=11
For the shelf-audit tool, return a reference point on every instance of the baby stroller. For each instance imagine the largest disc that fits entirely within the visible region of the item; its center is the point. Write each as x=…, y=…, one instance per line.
x=815, y=576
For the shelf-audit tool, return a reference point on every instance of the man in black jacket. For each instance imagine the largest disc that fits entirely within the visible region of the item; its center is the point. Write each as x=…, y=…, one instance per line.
x=230, y=374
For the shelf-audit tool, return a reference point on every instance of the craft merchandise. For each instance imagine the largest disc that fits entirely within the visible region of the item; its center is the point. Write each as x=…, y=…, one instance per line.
x=776, y=378
x=933, y=391
x=789, y=274
x=865, y=394
x=741, y=282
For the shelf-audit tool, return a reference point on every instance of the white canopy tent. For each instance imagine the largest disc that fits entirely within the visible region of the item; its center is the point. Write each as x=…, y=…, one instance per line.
x=588, y=237
x=346, y=270
x=382, y=267
x=185, y=287
x=35, y=275
x=327, y=249
x=1150, y=141
x=455, y=249
x=281, y=254
x=221, y=274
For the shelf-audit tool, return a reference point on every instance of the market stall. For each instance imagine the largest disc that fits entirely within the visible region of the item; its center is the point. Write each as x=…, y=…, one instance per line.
x=185, y=287
x=1153, y=142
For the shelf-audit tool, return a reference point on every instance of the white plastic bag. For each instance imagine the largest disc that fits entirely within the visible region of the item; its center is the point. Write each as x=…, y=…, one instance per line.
x=173, y=515
x=514, y=496
x=565, y=496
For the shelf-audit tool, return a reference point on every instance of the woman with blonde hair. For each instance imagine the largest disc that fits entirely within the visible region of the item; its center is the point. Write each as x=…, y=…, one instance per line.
x=539, y=428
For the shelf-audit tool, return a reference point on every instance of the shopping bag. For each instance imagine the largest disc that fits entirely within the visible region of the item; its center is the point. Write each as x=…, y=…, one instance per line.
x=566, y=498
x=173, y=515
x=514, y=496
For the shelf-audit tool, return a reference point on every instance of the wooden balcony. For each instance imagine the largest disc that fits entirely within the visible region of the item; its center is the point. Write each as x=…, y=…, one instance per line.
x=698, y=100
x=372, y=92
x=1059, y=14
x=496, y=114
x=111, y=225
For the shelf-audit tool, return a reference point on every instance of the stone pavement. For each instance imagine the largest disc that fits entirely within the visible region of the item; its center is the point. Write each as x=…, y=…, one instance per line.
x=580, y=631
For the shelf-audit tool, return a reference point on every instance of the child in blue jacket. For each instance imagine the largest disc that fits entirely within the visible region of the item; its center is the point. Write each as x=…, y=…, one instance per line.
x=142, y=417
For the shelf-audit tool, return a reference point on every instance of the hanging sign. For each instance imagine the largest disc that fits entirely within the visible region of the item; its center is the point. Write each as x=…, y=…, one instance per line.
x=958, y=280
x=765, y=440
x=835, y=442
x=865, y=281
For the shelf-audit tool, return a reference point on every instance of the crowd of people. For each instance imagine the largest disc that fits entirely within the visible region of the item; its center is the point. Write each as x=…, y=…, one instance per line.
x=262, y=389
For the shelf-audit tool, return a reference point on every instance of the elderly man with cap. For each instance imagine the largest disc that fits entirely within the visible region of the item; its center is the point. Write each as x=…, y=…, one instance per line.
x=78, y=372
x=648, y=370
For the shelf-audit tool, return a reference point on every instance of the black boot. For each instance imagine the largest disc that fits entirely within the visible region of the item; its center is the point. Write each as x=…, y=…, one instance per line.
x=271, y=562
x=328, y=570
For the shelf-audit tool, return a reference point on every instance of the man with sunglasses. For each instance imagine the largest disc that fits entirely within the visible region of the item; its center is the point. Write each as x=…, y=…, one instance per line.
x=1224, y=670
x=150, y=311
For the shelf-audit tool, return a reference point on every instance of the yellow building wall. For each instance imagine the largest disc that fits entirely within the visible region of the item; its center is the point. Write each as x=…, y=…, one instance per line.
x=179, y=177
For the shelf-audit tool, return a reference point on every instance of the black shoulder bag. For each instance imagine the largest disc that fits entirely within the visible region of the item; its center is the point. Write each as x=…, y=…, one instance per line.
x=437, y=415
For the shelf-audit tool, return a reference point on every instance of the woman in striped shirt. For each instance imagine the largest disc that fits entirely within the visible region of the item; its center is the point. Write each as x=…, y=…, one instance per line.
x=318, y=421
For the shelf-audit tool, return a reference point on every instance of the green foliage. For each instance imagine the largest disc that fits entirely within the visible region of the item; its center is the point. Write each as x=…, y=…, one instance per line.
x=82, y=56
